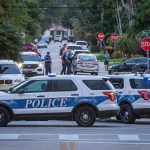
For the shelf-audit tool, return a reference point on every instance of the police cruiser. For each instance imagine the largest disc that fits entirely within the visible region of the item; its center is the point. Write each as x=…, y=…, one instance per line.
x=133, y=93
x=79, y=98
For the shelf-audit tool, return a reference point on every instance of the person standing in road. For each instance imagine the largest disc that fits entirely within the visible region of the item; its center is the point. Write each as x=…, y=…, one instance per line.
x=68, y=61
x=48, y=63
x=106, y=60
x=63, y=71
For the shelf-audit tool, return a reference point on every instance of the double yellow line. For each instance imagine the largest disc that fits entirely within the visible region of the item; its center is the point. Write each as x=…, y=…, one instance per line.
x=67, y=145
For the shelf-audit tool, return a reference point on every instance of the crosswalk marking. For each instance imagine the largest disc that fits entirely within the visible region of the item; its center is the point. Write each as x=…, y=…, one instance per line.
x=9, y=136
x=128, y=137
x=69, y=137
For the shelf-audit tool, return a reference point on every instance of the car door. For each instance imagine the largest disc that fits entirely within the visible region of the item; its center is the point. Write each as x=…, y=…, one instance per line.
x=142, y=64
x=128, y=65
x=63, y=95
x=30, y=98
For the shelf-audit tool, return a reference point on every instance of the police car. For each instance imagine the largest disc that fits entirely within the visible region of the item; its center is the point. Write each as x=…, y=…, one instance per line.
x=32, y=64
x=133, y=93
x=10, y=74
x=79, y=98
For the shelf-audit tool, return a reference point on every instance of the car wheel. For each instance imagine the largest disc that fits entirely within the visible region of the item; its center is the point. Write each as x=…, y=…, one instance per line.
x=118, y=117
x=126, y=114
x=4, y=117
x=85, y=116
x=96, y=73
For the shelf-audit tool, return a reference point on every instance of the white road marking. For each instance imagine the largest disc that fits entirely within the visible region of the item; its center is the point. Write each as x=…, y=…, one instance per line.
x=9, y=136
x=128, y=137
x=68, y=137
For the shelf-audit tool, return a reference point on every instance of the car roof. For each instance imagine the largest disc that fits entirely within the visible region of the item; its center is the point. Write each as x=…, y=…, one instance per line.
x=67, y=77
x=126, y=76
x=4, y=61
x=81, y=41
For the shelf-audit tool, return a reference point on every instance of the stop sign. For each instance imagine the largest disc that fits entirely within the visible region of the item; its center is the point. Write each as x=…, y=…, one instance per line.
x=145, y=44
x=100, y=36
x=114, y=37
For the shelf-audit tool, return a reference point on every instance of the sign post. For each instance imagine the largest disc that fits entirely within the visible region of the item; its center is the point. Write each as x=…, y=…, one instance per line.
x=145, y=45
x=114, y=39
x=100, y=37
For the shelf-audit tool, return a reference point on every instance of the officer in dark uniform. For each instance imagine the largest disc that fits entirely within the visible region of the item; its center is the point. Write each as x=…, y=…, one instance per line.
x=48, y=63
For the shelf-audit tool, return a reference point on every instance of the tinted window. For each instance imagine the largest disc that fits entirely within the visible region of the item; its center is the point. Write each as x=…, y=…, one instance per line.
x=131, y=61
x=141, y=61
x=9, y=69
x=36, y=86
x=118, y=83
x=62, y=85
x=96, y=85
x=74, y=47
x=139, y=84
x=81, y=43
x=32, y=57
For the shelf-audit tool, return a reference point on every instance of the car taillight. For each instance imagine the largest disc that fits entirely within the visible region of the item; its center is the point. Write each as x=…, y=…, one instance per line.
x=79, y=62
x=111, y=95
x=144, y=94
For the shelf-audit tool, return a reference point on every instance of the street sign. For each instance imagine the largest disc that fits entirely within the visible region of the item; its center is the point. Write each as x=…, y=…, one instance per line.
x=100, y=36
x=114, y=37
x=145, y=44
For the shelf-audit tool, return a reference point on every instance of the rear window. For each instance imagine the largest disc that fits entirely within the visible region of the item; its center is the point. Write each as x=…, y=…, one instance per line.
x=81, y=43
x=87, y=57
x=139, y=84
x=97, y=85
x=74, y=47
x=118, y=83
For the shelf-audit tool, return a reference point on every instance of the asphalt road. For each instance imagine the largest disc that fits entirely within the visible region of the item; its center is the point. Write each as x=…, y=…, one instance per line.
x=66, y=135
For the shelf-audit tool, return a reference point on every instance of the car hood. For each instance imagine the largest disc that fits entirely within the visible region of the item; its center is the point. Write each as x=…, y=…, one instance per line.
x=10, y=76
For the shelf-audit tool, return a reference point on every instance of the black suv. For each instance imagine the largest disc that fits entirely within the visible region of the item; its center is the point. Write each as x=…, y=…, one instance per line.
x=138, y=64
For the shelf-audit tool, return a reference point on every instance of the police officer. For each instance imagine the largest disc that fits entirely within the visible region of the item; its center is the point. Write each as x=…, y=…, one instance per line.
x=48, y=63
x=68, y=61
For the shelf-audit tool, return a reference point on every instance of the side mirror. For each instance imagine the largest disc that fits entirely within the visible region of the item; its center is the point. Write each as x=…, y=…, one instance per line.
x=21, y=91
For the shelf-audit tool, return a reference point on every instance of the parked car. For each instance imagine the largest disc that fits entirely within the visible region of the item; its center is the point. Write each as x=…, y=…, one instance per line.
x=58, y=38
x=42, y=44
x=76, y=52
x=83, y=44
x=32, y=64
x=74, y=47
x=86, y=63
x=133, y=96
x=10, y=74
x=138, y=64
x=29, y=47
x=71, y=38
x=46, y=98
x=46, y=39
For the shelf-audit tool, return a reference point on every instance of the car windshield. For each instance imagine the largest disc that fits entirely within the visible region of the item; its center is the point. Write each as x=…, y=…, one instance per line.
x=9, y=69
x=87, y=57
x=34, y=57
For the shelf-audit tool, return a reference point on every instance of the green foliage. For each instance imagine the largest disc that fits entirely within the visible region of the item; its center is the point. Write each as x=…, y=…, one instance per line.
x=94, y=49
x=118, y=54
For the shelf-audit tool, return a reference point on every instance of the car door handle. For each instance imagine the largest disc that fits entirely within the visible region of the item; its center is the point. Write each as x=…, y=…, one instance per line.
x=41, y=96
x=75, y=94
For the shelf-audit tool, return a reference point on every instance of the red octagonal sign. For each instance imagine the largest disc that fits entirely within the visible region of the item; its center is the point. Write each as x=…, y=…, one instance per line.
x=145, y=44
x=100, y=36
x=114, y=37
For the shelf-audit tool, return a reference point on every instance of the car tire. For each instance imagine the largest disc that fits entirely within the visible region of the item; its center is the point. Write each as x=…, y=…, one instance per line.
x=118, y=117
x=96, y=73
x=126, y=114
x=85, y=116
x=4, y=116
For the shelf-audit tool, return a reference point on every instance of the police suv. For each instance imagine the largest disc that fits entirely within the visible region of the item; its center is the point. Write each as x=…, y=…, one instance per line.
x=79, y=98
x=133, y=94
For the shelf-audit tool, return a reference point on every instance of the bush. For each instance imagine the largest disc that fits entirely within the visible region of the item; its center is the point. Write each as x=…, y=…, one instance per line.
x=100, y=57
x=94, y=49
x=118, y=54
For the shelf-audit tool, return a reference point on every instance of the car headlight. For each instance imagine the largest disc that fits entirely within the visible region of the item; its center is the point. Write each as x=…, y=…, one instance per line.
x=20, y=65
x=40, y=65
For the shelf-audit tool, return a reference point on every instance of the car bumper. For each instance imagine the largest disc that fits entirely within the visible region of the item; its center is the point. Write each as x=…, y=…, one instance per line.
x=86, y=70
x=33, y=72
x=7, y=87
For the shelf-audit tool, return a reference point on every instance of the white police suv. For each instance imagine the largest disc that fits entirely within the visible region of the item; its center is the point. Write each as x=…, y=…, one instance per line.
x=133, y=96
x=79, y=98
